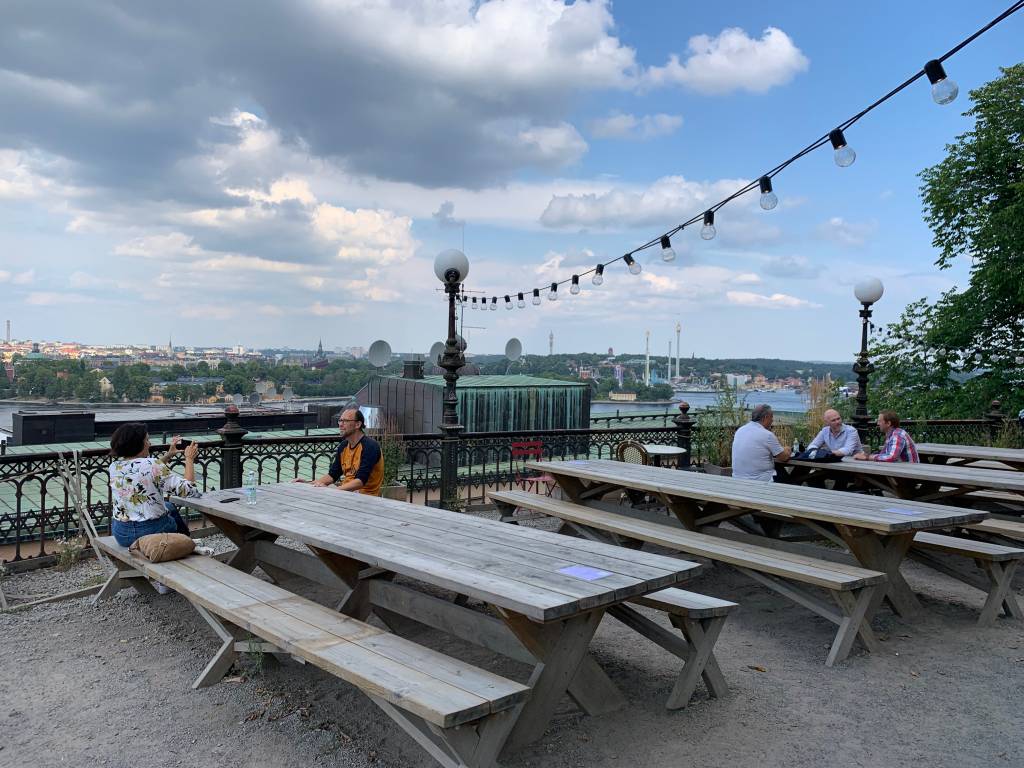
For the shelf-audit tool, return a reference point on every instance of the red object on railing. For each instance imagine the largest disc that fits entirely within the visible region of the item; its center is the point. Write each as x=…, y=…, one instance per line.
x=530, y=450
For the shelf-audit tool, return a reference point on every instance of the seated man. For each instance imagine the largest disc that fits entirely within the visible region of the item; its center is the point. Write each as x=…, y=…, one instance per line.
x=755, y=448
x=841, y=439
x=898, y=445
x=358, y=463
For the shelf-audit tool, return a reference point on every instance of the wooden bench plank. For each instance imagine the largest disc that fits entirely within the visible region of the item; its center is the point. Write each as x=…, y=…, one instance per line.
x=431, y=685
x=682, y=603
x=979, y=550
x=1007, y=529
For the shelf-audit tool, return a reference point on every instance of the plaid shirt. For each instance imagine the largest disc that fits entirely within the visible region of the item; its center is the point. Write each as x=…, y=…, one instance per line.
x=898, y=447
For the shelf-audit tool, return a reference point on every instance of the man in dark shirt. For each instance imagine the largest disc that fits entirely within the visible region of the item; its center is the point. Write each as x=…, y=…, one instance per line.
x=358, y=463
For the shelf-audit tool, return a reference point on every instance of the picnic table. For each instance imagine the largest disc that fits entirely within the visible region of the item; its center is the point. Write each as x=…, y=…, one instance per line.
x=980, y=456
x=549, y=591
x=877, y=531
x=907, y=480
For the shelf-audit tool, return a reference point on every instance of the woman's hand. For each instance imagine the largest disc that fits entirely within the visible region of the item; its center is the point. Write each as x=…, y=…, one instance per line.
x=191, y=451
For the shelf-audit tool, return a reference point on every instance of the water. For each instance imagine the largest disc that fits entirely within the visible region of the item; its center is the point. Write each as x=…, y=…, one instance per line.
x=779, y=400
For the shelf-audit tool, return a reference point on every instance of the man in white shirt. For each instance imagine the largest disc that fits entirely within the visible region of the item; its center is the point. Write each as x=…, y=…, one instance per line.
x=841, y=439
x=755, y=448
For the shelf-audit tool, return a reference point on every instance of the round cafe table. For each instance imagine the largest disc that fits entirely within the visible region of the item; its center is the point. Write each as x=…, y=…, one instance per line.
x=660, y=452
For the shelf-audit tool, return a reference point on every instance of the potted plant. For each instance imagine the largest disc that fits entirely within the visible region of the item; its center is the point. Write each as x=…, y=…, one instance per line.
x=716, y=428
x=392, y=450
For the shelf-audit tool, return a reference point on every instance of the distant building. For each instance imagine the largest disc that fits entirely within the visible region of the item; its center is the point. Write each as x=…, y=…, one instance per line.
x=106, y=388
x=623, y=396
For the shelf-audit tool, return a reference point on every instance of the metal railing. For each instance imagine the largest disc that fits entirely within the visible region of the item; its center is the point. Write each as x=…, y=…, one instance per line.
x=35, y=510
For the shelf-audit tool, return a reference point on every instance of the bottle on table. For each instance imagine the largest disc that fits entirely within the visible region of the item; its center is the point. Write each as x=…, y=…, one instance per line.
x=796, y=446
x=249, y=487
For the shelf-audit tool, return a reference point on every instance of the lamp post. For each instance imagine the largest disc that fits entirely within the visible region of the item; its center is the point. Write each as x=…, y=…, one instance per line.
x=451, y=268
x=868, y=291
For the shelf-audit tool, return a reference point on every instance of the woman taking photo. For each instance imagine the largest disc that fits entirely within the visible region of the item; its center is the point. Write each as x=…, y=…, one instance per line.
x=140, y=485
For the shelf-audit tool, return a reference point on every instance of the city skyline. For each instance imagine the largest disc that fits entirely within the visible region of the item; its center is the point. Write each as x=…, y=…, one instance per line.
x=211, y=194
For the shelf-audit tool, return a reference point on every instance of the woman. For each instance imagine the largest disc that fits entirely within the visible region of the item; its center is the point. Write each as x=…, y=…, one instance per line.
x=139, y=485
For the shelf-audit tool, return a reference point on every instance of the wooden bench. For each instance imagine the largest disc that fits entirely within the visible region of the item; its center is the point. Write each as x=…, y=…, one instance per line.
x=996, y=528
x=460, y=714
x=700, y=619
x=852, y=587
x=997, y=562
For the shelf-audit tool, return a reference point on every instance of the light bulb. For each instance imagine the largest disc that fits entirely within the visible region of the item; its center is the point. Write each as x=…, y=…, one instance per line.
x=633, y=264
x=944, y=90
x=575, y=288
x=474, y=305
x=522, y=302
x=708, y=231
x=536, y=297
x=553, y=293
x=844, y=154
x=508, y=302
x=598, y=277
x=494, y=303
x=768, y=198
x=667, y=254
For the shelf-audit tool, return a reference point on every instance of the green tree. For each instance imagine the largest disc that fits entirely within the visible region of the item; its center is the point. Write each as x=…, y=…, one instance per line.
x=952, y=357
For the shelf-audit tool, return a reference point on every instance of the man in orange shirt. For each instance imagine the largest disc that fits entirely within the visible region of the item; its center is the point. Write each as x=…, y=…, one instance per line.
x=358, y=463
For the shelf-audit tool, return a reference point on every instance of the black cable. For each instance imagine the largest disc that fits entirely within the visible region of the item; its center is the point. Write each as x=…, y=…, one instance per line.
x=817, y=143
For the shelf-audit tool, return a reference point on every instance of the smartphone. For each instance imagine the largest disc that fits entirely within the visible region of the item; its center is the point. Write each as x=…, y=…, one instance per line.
x=229, y=499
x=181, y=445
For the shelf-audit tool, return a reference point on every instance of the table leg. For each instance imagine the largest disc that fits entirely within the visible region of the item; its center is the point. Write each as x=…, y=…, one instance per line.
x=245, y=539
x=561, y=648
x=356, y=603
x=884, y=554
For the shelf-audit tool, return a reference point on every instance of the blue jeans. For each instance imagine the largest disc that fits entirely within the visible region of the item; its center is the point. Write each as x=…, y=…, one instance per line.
x=126, y=533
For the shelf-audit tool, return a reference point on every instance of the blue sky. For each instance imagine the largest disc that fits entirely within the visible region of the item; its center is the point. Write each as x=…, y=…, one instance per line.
x=229, y=176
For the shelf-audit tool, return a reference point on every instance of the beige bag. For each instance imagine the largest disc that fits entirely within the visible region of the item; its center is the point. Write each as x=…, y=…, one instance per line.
x=160, y=547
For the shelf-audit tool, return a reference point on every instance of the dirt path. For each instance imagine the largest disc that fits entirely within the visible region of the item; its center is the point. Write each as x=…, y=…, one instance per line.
x=110, y=686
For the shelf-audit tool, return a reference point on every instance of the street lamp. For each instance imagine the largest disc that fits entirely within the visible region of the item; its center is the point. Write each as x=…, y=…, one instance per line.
x=868, y=291
x=451, y=268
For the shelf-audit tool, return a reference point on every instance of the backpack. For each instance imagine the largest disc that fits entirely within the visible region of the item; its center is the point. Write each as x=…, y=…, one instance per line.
x=822, y=455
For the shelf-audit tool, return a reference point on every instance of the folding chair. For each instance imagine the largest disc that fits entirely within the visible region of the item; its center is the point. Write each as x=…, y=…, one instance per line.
x=530, y=450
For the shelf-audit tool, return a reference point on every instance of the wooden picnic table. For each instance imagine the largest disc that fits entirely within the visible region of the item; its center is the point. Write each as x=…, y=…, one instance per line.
x=907, y=480
x=876, y=530
x=980, y=456
x=550, y=591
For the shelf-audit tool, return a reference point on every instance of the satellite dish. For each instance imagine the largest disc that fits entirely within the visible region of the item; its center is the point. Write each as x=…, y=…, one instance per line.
x=237, y=398
x=436, y=350
x=254, y=398
x=379, y=354
x=513, y=349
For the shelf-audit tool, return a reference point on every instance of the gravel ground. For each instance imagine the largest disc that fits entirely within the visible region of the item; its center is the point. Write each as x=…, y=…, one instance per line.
x=110, y=686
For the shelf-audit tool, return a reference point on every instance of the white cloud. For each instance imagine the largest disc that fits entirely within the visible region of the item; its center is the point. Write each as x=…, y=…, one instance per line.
x=847, y=233
x=207, y=311
x=733, y=61
x=748, y=278
x=625, y=126
x=172, y=245
x=53, y=299
x=374, y=236
x=775, y=301
x=235, y=262
x=4, y=276
x=331, y=310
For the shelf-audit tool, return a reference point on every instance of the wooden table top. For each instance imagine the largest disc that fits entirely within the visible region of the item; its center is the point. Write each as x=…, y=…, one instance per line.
x=976, y=452
x=974, y=477
x=541, y=575
x=883, y=515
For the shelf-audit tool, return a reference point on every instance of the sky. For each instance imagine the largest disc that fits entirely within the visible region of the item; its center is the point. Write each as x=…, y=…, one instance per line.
x=277, y=173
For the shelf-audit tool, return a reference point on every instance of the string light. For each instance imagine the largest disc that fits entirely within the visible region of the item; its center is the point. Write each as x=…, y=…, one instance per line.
x=508, y=302
x=844, y=154
x=474, y=304
x=667, y=254
x=768, y=198
x=522, y=301
x=494, y=303
x=553, y=293
x=708, y=231
x=575, y=289
x=944, y=90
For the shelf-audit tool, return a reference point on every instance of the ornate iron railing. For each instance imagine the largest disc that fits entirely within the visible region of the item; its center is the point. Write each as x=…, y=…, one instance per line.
x=35, y=510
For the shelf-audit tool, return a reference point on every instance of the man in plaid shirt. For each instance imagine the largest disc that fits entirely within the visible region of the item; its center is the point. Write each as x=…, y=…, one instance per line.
x=898, y=445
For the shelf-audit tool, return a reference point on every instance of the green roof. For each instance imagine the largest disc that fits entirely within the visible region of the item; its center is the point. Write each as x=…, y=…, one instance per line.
x=484, y=382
